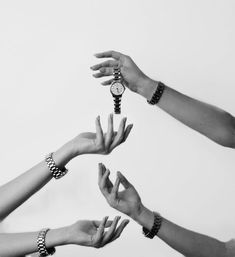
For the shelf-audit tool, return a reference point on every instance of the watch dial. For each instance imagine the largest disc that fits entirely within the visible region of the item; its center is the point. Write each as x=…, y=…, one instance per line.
x=117, y=88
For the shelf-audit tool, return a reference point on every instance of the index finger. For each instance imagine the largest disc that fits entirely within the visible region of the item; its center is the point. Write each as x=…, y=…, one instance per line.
x=110, y=233
x=107, y=54
x=101, y=171
x=100, y=231
x=99, y=131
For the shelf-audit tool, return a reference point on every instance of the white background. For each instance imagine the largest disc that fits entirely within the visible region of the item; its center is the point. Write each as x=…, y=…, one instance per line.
x=48, y=96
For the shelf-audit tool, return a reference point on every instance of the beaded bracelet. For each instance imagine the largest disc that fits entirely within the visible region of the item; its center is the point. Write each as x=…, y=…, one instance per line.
x=157, y=94
x=155, y=228
x=43, y=251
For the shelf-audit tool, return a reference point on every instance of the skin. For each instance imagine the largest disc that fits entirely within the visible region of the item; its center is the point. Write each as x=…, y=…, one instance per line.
x=86, y=233
x=213, y=122
x=184, y=241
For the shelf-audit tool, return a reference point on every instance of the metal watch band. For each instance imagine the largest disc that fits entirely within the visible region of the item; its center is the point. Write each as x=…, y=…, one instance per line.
x=157, y=94
x=43, y=251
x=155, y=228
x=55, y=171
x=117, y=104
x=117, y=74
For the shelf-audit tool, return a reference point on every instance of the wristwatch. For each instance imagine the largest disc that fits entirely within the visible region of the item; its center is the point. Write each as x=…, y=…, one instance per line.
x=117, y=89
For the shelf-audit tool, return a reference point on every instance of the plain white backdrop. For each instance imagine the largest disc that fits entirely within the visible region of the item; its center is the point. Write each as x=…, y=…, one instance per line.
x=48, y=96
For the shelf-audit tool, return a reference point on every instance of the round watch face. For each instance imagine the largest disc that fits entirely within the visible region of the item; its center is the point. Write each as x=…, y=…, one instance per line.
x=117, y=88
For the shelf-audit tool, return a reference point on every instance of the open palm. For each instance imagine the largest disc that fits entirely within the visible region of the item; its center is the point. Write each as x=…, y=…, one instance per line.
x=84, y=230
x=99, y=142
x=93, y=234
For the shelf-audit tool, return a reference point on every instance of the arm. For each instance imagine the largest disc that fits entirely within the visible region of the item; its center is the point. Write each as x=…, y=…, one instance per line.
x=84, y=233
x=128, y=201
x=214, y=123
x=188, y=243
x=17, y=191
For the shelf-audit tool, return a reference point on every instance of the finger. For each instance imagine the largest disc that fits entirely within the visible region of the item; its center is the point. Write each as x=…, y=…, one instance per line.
x=109, y=135
x=103, y=72
x=127, y=132
x=119, y=230
x=116, y=187
x=104, y=184
x=120, y=134
x=100, y=231
x=110, y=233
x=107, y=82
x=109, y=63
x=97, y=223
x=102, y=169
x=99, y=131
x=107, y=54
x=101, y=173
x=124, y=180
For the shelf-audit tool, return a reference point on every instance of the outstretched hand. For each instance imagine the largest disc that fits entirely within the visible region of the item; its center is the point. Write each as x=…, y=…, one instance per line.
x=127, y=201
x=93, y=234
x=99, y=142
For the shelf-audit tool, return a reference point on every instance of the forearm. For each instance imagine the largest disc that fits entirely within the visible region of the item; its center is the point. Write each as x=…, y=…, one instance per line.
x=17, y=191
x=214, y=123
x=186, y=242
x=189, y=243
x=20, y=244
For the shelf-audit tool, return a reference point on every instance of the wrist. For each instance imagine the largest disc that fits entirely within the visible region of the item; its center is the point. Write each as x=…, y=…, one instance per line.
x=147, y=87
x=63, y=155
x=57, y=237
x=145, y=217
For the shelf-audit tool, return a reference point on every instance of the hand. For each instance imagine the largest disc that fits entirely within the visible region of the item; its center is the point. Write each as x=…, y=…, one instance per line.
x=133, y=77
x=93, y=234
x=100, y=143
x=127, y=201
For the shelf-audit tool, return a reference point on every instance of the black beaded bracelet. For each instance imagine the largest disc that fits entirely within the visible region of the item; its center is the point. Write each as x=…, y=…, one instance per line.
x=155, y=228
x=157, y=94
